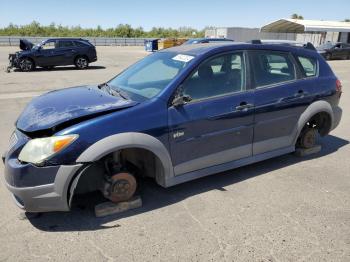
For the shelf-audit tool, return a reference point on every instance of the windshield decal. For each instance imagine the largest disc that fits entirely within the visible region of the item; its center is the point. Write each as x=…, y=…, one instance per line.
x=183, y=58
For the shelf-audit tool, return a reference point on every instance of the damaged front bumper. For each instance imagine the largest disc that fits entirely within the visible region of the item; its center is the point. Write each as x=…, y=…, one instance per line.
x=13, y=62
x=40, y=198
x=36, y=188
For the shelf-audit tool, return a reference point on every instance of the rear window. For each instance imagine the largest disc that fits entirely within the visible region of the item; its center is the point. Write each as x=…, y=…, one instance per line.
x=309, y=66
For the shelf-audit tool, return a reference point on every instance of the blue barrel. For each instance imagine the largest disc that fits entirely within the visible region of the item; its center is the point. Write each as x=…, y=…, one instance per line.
x=151, y=45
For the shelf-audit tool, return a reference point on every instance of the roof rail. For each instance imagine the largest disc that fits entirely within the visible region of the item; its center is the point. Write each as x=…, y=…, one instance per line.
x=256, y=42
x=307, y=45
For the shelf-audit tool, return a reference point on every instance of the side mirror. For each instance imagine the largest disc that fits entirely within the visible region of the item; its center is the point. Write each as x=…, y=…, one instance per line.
x=181, y=100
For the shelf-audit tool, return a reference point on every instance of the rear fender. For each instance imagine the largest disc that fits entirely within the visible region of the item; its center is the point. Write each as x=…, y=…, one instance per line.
x=311, y=110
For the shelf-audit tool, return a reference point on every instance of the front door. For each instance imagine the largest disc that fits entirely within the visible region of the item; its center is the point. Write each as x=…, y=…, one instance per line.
x=46, y=55
x=216, y=125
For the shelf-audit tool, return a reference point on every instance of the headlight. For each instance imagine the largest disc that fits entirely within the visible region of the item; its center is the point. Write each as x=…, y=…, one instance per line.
x=39, y=149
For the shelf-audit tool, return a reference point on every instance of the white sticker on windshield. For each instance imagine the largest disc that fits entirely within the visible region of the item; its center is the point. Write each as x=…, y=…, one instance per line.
x=183, y=58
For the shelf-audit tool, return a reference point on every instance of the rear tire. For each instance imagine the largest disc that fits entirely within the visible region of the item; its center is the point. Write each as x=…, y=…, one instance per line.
x=308, y=138
x=26, y=64
x=81, y=62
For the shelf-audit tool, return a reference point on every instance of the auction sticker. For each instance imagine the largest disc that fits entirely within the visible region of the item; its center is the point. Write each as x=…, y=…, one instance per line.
x=183, y=58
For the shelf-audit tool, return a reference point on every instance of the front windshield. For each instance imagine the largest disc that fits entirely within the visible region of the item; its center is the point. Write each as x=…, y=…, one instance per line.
x=327, y=45
x=152, y=74
x=37, y=46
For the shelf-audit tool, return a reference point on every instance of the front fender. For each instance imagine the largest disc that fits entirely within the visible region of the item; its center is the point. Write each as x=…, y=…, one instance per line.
x=117, y=142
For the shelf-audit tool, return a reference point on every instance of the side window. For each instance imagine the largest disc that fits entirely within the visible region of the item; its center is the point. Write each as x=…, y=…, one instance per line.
x=270, y=67
x=49, y=45
x=65, y=44
x=217, y=76
x=81, y=44
x=309, y=66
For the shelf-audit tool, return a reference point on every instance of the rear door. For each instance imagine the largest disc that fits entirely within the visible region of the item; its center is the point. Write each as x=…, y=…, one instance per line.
x=347, y=50
x=281, y=97
x=66, y=52
x=339, y=51
x=216, y=126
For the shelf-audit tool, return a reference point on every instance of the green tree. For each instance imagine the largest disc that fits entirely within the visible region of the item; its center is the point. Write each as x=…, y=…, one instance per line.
x=121, y=30
x=296, y=16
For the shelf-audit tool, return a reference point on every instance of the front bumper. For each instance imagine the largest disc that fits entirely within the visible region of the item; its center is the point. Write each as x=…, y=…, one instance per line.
x=13, y=60
x=46, y=197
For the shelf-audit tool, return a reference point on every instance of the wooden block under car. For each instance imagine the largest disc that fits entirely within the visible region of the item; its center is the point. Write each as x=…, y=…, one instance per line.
x=309, y=151
x=110, y=208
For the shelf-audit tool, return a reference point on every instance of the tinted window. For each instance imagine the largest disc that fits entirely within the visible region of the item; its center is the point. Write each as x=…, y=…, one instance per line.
x=217, y=76
x=271, y=67
x=63, y=44
x=81, y=44
x=309, y=66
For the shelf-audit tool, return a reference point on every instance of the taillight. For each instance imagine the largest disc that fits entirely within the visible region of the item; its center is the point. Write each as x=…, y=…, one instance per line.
x=338, y=86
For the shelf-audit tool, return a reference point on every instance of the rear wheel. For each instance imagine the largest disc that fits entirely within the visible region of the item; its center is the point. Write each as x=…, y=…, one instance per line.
x=26, y=64
x=308, y=138
x=81, y=62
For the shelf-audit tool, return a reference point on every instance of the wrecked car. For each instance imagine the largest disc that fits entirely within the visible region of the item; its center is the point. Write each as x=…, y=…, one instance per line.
x=53, y=52
x=334, y=51
x=177, y=115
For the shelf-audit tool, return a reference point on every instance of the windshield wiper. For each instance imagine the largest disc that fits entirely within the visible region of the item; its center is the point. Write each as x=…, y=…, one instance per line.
x=113, y=91
x=121, y=93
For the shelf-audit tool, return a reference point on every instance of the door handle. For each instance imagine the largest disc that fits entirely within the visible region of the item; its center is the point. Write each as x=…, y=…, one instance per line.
x=300, y=93
x=244, y=106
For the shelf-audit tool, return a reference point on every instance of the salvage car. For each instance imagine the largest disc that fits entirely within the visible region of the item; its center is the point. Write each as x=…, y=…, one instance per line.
x=177, y=115
x=53, y=52
x=334, y=51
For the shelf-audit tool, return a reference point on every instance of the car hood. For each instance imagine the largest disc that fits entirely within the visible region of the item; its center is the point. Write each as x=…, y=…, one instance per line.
x=25, y=44
x=73, y=104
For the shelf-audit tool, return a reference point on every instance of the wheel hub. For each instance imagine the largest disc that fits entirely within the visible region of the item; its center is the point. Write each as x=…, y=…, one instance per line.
x=121, y=187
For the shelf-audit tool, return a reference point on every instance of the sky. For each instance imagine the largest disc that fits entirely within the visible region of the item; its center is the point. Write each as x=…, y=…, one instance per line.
x=165, y=13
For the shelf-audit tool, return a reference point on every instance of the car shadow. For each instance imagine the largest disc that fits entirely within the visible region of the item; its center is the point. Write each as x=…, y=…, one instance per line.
x=82, y=218
x=63, y=68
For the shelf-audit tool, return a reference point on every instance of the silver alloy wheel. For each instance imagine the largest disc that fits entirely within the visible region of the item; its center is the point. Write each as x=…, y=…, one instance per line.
x=26, y=65
x=81, y=62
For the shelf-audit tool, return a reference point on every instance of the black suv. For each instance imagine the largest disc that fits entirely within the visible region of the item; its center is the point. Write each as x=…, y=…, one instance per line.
x=54, y=52
x=334, y=51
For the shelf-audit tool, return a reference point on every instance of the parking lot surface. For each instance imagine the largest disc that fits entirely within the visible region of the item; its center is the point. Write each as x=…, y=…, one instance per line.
x=283, y=209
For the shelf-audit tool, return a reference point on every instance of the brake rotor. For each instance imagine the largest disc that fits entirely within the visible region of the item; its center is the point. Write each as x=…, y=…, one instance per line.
x=122, y=187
